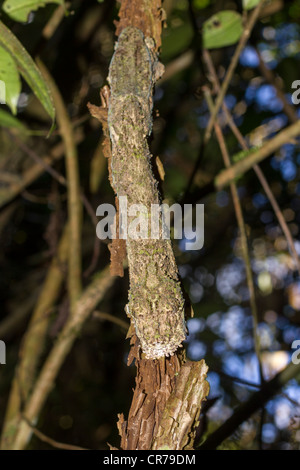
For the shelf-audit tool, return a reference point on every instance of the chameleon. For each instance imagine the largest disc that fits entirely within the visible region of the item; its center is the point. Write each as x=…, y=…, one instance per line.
x=156, y=304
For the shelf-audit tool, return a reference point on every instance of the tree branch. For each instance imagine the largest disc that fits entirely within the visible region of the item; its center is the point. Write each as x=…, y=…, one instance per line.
x=230, y=71
x=256, y=155
x=45, y=381
x=257, y=169
x=74, y=192
x=244, y=243
x=33, y=343
x=256, y=401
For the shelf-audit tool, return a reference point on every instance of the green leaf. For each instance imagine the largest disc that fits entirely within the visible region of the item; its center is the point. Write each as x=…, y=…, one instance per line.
x=200, y=4
x=27, y=68
x=19, y=10
x=10, y=76
x=248, y=4
x=7, y=120
x=223, y=29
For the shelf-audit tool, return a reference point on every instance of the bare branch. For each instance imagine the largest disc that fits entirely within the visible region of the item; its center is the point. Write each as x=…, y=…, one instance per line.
x=254, y=156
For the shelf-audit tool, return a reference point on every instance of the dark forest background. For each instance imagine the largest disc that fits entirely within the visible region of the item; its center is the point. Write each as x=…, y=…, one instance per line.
x=95, y=384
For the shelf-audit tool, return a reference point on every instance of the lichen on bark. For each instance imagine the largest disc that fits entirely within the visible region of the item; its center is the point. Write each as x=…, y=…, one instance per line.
x=156, y=304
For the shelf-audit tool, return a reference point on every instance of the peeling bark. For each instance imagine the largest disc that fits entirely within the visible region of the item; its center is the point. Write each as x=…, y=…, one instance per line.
x=155, y=381
x=180, y=418
x=168, y=394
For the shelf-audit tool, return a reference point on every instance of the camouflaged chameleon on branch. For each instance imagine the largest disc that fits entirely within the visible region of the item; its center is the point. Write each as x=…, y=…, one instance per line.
x=156, y=304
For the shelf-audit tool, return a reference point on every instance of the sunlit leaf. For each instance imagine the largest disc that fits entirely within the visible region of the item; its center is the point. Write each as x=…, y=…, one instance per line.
x=248, y=4
x=10, y=76
x=7, y=120
x=19, y=10
x=223, y=29
x=27, y=68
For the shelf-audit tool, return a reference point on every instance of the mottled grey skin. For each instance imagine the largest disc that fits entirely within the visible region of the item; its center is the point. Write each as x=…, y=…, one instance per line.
x=156, y=304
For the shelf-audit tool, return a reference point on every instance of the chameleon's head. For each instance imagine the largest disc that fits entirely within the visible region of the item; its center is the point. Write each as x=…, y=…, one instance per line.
x=160, y=340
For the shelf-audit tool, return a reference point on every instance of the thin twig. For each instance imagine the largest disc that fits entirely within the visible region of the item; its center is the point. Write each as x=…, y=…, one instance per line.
x=94, y=260
x=255, y=402
x=237, y=380
x=30, y=175
x=15, y=321
x=247, y=30
x=107, y=316
x=177, y=65
x=197, y=46
x=45, y=381
x=288, y=109
x=42, y=437
x=74, y=202
x=293, y=402
x=257, y=169
x=243, y=234
x=62, y=180
x=35, y=157
x=226, y=176
x=54, y=173
x=279, y=215
x=232, y=66
x=55, y=19
x=34, y=341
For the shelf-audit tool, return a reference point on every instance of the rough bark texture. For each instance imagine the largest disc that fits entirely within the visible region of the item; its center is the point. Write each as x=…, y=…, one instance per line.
x=180, y=418
x=146, y=15
x=166, y=404
x=156, y=302
x=156, y=305
x=155, y=381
